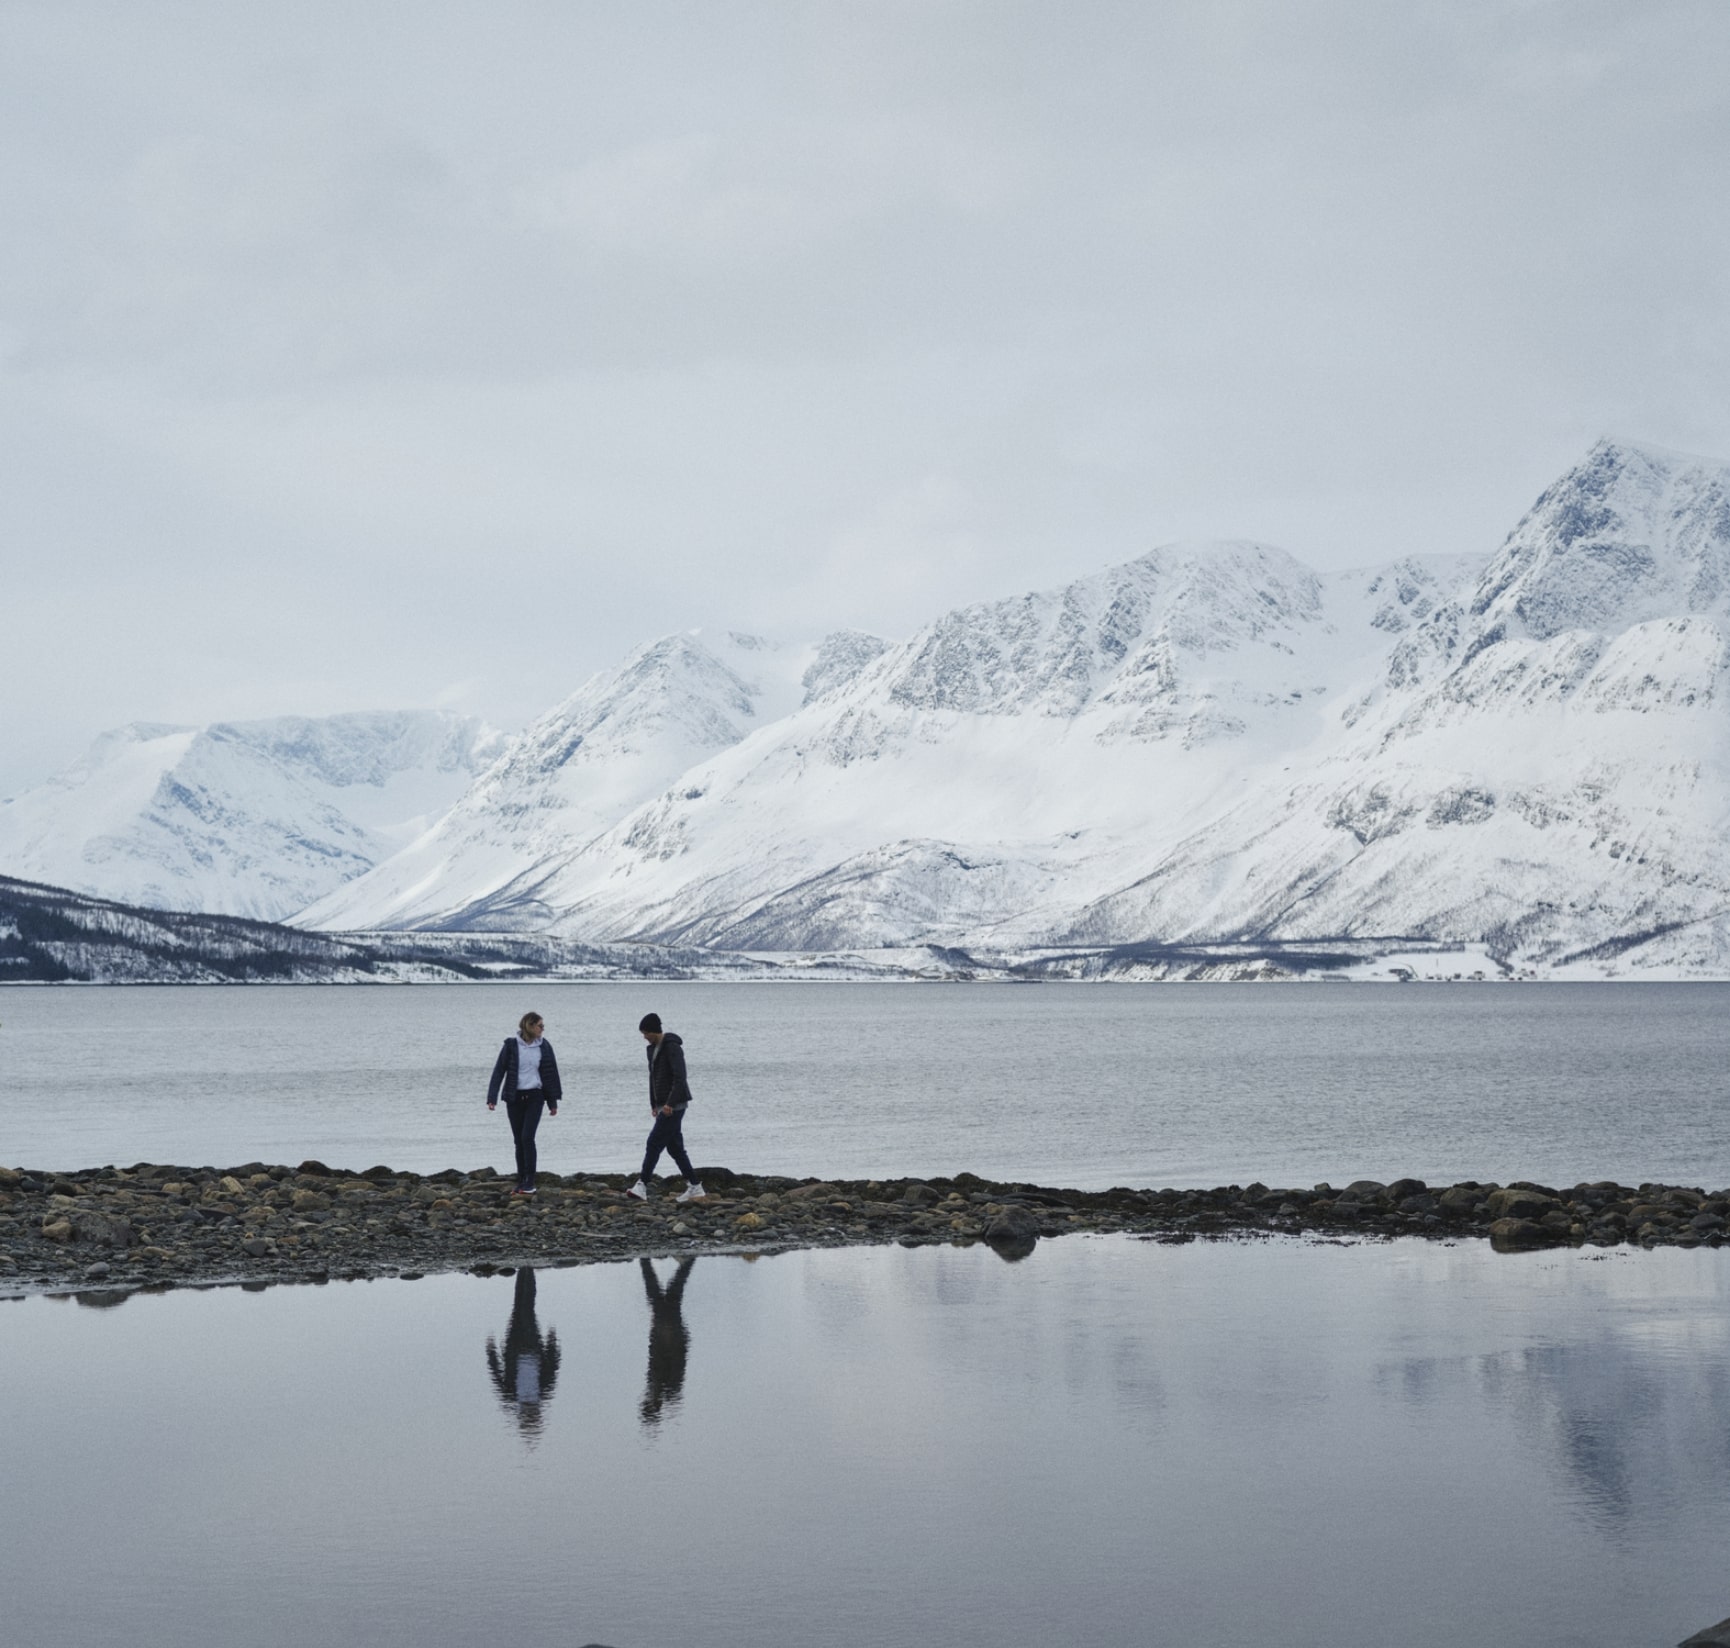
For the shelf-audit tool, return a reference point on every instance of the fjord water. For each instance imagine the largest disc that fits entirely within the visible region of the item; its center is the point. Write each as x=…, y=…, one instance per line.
x=1087, y=1086
x=1110, y=1442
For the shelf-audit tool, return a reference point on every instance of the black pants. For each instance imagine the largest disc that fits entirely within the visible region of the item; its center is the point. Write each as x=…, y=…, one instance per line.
x=524, y=1110
x=668, y=1134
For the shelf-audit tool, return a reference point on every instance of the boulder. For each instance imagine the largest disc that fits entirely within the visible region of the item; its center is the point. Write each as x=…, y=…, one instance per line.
x=1515, y=1203
x=310, y=1201
x=1508, y=1234
x=1011, y=1224
x=1364, y=1190
x=920, y=1195
x=102, y=1229
x=58, y=1230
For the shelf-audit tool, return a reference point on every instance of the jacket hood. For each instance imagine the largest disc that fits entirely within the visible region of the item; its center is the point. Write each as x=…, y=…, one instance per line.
x=668, y=1036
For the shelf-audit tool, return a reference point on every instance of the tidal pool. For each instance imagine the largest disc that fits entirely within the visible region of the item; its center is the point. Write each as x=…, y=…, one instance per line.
x=1110, y=1442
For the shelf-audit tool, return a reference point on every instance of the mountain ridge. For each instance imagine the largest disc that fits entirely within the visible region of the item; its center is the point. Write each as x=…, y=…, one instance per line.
x=1209, y=745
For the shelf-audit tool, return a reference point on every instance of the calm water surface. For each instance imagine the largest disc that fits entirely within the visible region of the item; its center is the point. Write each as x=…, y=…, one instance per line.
x=1109, y=1443
x=1088, y=1086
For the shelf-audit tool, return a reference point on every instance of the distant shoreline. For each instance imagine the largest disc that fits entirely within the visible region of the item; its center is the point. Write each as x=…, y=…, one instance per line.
x=112, y=1230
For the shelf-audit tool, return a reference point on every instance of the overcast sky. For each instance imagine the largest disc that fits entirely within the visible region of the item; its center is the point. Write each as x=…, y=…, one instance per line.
x=374, y=354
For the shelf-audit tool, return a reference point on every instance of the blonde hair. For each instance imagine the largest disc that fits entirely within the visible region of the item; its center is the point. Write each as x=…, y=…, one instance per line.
x=525, y=1021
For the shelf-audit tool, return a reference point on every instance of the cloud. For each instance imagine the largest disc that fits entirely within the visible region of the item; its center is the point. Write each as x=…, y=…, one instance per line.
x=823, y=313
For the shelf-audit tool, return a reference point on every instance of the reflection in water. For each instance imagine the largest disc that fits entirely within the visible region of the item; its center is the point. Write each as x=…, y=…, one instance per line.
x=529, y=1367
x=1627, y=1423
x=669, y=1343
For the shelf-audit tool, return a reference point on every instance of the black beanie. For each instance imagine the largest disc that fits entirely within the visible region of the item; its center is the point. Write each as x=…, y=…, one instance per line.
x=652, y=1023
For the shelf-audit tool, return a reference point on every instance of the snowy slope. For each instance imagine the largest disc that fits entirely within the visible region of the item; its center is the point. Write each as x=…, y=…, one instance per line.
x=620, y=738
x=981, y=781
x=251, y=818
x=1524, y=753
x=1213, y=743
x=1543, y=763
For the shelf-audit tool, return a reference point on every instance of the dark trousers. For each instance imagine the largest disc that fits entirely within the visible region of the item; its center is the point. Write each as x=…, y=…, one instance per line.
x=524, y=1110
x=668, y=1134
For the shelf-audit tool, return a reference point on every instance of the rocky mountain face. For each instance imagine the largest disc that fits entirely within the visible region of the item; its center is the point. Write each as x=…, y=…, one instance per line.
x=248, y=818
x=1212, y=746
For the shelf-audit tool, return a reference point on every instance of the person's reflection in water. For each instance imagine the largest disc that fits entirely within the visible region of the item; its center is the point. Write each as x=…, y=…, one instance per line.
x=669, y=1343
x=529, y=1367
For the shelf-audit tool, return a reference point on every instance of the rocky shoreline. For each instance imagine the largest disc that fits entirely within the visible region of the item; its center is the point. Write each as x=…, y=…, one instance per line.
x=146, y=1226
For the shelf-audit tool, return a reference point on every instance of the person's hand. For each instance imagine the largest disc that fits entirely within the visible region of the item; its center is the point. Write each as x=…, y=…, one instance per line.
x=492, y=1104
x=552, y=1110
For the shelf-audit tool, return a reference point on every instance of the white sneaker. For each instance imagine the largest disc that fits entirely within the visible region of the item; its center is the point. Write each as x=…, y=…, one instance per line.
x=693, y=1193
x=639, y=1190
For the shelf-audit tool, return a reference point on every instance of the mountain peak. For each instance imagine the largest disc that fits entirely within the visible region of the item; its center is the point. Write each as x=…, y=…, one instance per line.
x=1629, y=534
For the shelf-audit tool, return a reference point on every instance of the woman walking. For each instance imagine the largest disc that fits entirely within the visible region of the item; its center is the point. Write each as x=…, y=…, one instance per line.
x=529, y=1074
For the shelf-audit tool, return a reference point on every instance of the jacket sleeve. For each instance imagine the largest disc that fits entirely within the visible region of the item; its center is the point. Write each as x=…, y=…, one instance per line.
x=678, y=1088
x=555, y=1089
x=499, y=1068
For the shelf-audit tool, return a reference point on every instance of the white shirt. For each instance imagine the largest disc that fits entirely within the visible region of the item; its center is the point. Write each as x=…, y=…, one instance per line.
x=528, y=1064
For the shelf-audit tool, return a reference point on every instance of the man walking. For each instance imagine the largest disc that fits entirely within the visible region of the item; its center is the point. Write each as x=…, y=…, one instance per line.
x=669, y=1094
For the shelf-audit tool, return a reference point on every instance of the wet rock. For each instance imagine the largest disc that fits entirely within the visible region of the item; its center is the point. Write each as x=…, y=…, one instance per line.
x=309, y=1201
x=1364, y=1190
x=749, y=1222
x=102, y=1229
x=1518, y=1203
x=1507, y=1234
x=1011, y=1223
x=58, y=1230
x=920, y=1195
x=97, y=1271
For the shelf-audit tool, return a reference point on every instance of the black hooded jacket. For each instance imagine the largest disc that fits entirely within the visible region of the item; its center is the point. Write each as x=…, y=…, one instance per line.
x=505, y=1074
x=667, y=1083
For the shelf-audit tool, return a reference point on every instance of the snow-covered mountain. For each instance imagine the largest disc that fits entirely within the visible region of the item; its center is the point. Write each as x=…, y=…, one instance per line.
x=981, y=782
x=249, y=818
x=1542, y=763
x=619, y=739
x=1213, y=743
